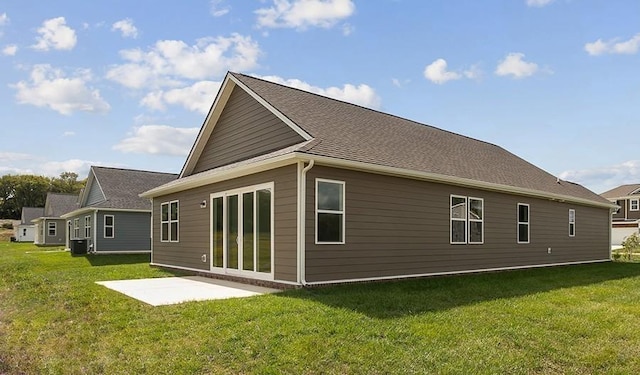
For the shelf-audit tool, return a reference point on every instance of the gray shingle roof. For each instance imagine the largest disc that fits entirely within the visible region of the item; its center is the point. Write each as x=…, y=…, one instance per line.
x=31, y=213
x=58, y=204
x=122, y=186
x=621, y=191
x=347, y=131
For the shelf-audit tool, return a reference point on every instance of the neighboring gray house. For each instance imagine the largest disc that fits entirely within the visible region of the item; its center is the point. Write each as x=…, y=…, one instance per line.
x=290, y=187
x=111, y=217
x=50, y=227
x=26, y=230
x=626, y=219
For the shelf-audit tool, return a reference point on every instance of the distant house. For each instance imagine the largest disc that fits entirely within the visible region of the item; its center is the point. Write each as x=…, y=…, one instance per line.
x=26, y=230
x=290, y=187
x=110, y=216
x=50, y=227
x=626, y=219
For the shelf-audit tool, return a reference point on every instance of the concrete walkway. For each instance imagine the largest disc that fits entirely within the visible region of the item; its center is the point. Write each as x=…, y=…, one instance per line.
x=172, y=290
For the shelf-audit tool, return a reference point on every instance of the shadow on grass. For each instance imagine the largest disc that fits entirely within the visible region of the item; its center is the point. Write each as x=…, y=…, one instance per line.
x=411, y=297
x=114, y=259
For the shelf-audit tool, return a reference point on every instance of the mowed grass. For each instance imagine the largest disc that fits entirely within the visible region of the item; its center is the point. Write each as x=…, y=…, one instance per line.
x=54, y=319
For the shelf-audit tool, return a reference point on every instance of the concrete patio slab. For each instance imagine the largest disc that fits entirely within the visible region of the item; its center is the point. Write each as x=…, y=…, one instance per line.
x=172, y=290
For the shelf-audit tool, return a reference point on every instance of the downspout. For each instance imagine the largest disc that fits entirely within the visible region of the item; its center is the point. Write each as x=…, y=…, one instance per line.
x=302, y=210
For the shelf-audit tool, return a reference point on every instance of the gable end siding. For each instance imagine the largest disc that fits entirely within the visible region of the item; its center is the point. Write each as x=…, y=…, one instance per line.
x=244, y=130
x=95, y=194
x=397, y=226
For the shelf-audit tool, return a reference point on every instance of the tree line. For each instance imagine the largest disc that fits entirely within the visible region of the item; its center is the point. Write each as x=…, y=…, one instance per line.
x=17, y=191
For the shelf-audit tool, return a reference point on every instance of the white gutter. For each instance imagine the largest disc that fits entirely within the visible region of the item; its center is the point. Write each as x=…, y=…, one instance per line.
x=302, y=209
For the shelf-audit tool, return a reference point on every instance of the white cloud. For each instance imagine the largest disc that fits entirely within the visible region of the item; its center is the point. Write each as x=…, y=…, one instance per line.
x=55, y=34
x=603, y=179
x=159, y=139
x=362, y=94
x=126, y=28
x=68, y=134
x=197, y=97
x=302, y=14
x=436, y=72
x=16, y=163
x=539, y=3
x=218, y=8
x=628, y=47
x=348, y=29
x=4, y=19
x=10, y=50
x=170, y=61
x=513, y=65
x=49, y=87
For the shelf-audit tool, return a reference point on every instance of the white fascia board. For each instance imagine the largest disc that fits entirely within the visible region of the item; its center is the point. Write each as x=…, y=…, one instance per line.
x=434, y=177
x=96, y=209
x=273, y=110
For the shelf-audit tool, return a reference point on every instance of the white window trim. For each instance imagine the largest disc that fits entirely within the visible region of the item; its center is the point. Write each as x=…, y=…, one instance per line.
x=469, y=221
x=341, y=212
x=55, y=228
x=112, y=226
x=169, y=221
x=528, y=223
x=571, y=210
x=631, y=204
x=465, y=220
x=87, y=228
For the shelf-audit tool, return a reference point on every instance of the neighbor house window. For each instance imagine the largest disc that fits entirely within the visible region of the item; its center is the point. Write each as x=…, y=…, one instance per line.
x=633, y=205
x=87, y=226
x=572, y=222
x=467, y=220
x=51, y=229
x=523, y=223
x=109, y=224
x=330, y=216
x=169, y=221
x=76, y=228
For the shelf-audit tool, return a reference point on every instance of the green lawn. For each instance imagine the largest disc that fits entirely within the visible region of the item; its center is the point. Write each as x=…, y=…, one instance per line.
x=569, y=320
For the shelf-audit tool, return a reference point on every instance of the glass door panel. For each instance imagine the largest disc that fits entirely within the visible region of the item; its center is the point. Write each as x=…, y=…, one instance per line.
x=263, y=229
x=217, y=230
x=247, y=232
x=232, y=232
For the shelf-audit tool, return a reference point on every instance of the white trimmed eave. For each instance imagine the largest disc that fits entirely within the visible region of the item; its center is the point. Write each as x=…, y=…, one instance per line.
x=451, y=180
x=85, y=210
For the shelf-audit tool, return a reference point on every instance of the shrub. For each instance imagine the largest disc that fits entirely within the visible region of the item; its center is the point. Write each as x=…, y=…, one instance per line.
x=7, y=225
x=616, y=255
x=630, y=245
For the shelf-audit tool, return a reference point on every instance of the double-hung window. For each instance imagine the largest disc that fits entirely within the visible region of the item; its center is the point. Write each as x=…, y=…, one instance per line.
x=572, y=222
x=109, y=226
x=169, y=221
x=76, y=228
x=523, y=223
x=87, y=226
x=633, y=205
x=467, y=220
x=51, y=229
x=330, y=215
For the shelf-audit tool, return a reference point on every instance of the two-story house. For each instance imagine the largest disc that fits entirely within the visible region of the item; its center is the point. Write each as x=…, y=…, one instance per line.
x=626, y=220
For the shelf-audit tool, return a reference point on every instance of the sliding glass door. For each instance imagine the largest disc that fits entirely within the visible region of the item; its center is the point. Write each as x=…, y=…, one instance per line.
x=242, y=231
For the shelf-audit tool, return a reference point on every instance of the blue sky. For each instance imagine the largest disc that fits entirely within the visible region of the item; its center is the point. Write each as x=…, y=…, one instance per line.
x=128, y=84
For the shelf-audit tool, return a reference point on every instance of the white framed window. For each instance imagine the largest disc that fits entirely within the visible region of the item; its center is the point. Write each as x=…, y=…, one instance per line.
x=169, y=221
x=109, y=226
x=330, y=212
x=572, y=222
x=466, y=220
x=523, y=223
x=87, y=226
x=633, y=205
x=52, y=228
x=76, y=228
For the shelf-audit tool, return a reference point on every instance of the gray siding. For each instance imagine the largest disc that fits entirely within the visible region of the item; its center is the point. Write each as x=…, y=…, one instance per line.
x=132, y=232
x=195, y=223
x=245, y=129
x=397, y=226
x=59, y=238
x=95, y=194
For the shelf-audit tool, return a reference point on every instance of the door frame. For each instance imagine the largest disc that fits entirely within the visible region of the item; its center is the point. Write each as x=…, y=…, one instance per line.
x=239, y=192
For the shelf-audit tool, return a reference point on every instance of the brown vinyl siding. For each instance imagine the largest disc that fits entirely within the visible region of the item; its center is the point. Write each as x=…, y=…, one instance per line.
x=397, y=226
x=622, y=212
x=632, y=215
x=245, y=129
x=195, y=221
